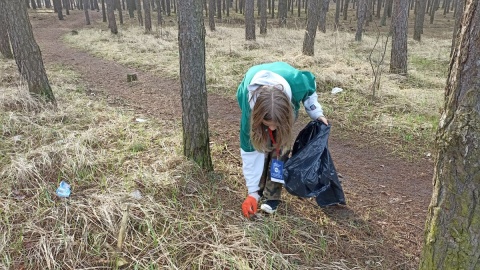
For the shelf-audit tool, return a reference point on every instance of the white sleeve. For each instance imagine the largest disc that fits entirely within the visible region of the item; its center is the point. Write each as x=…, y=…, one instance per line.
x=313, y=108
x=252, y=169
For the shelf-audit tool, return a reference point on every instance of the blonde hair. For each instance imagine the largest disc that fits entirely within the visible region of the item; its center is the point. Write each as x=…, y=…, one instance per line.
x=271, y=105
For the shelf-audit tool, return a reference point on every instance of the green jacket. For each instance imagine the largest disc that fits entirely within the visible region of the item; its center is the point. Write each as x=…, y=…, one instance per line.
x=302, y=84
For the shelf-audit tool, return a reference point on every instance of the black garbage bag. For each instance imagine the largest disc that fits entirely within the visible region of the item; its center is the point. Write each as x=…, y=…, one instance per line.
x=310, y=171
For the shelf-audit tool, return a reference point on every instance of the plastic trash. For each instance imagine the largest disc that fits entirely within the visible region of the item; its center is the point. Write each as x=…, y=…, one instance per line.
x=136, y=194
x=63, y=190
x=337, y=90
x=310, y=171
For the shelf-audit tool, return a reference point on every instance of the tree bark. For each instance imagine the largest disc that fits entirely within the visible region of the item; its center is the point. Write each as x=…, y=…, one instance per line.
x=386, y=12
x=211, y=14
x=322, y=20
x=58, y=8
x=460, y=5
x=345, y=10
x=433, y=9
x=337, y=14
x=420, y=6
x=131, y=8
x=104, y=12
x=112, y=23
x=263, y=17
x=85, y=9
x=219, y=10
x=148, y=16
x=120, y=13
x=5, y=48
x=452, y=239
x=191, y=37
x=159, y=13
x=362, y=12
x=313, y=16
x=249, y=20
x=282, y=13
x=26, y=50
x=139, y=12
x=379, y=8
x=167, y=5
x=398, y=57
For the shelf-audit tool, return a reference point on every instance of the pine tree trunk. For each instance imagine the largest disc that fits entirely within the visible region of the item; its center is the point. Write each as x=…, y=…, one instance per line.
x=211, y=14
x=337, y=14
x=87, y=16
x=26, y=51
x=148, y=16
x=131, y=8
x=345, y=10
x=379, y=8
x=458, y=19
x=282, y=13
x=398, y=57
x=361, y=11
x=58, y=8
x=159, y=13
x=312, y=21
x=249, y=20
x=420, y=6
x=219, y=10
x=5, y=48
x=139, y=12
x=104, y=12
x=119, y=8
x=263, y=17
x=112, y=23
x=168, y=6
x=322, y=20
x=191, y=39
x=452, y=239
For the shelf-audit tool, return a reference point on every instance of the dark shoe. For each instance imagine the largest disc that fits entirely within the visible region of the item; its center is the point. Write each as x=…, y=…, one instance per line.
x=270, y=206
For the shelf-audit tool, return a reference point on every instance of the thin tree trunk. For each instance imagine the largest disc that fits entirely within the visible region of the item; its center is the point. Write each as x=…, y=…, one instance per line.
x=85, y=9
x=148, y=16
x=263, y=16
x=337, y=14
x=211, y=14
x=361, y=11
x=58, y=8
x=420, y=6
x=104, y=12
x=345, y=10
x=112, y=23
x=159, y=14
x=398, y=58
x=312, y=22
x=5, y=48
x=139, y=12
x=119, y=8
x=249, y=20
x=322, y=20
x=191, y=39
x=26, y=51
x=458, y=20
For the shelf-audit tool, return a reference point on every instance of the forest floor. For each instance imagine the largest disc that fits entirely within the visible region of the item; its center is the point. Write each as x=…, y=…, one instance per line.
x=393, y=193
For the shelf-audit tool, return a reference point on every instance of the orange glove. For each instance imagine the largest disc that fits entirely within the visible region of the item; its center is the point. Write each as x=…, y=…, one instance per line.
x=249, y=206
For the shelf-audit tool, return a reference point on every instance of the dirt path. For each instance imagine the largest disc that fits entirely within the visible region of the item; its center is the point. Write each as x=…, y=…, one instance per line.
x=389, y=193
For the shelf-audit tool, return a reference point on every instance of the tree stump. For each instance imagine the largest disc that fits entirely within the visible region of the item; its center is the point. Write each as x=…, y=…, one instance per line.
x=132, y=77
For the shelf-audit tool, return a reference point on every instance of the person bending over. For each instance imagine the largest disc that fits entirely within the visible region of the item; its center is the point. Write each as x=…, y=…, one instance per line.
x=269, y=97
